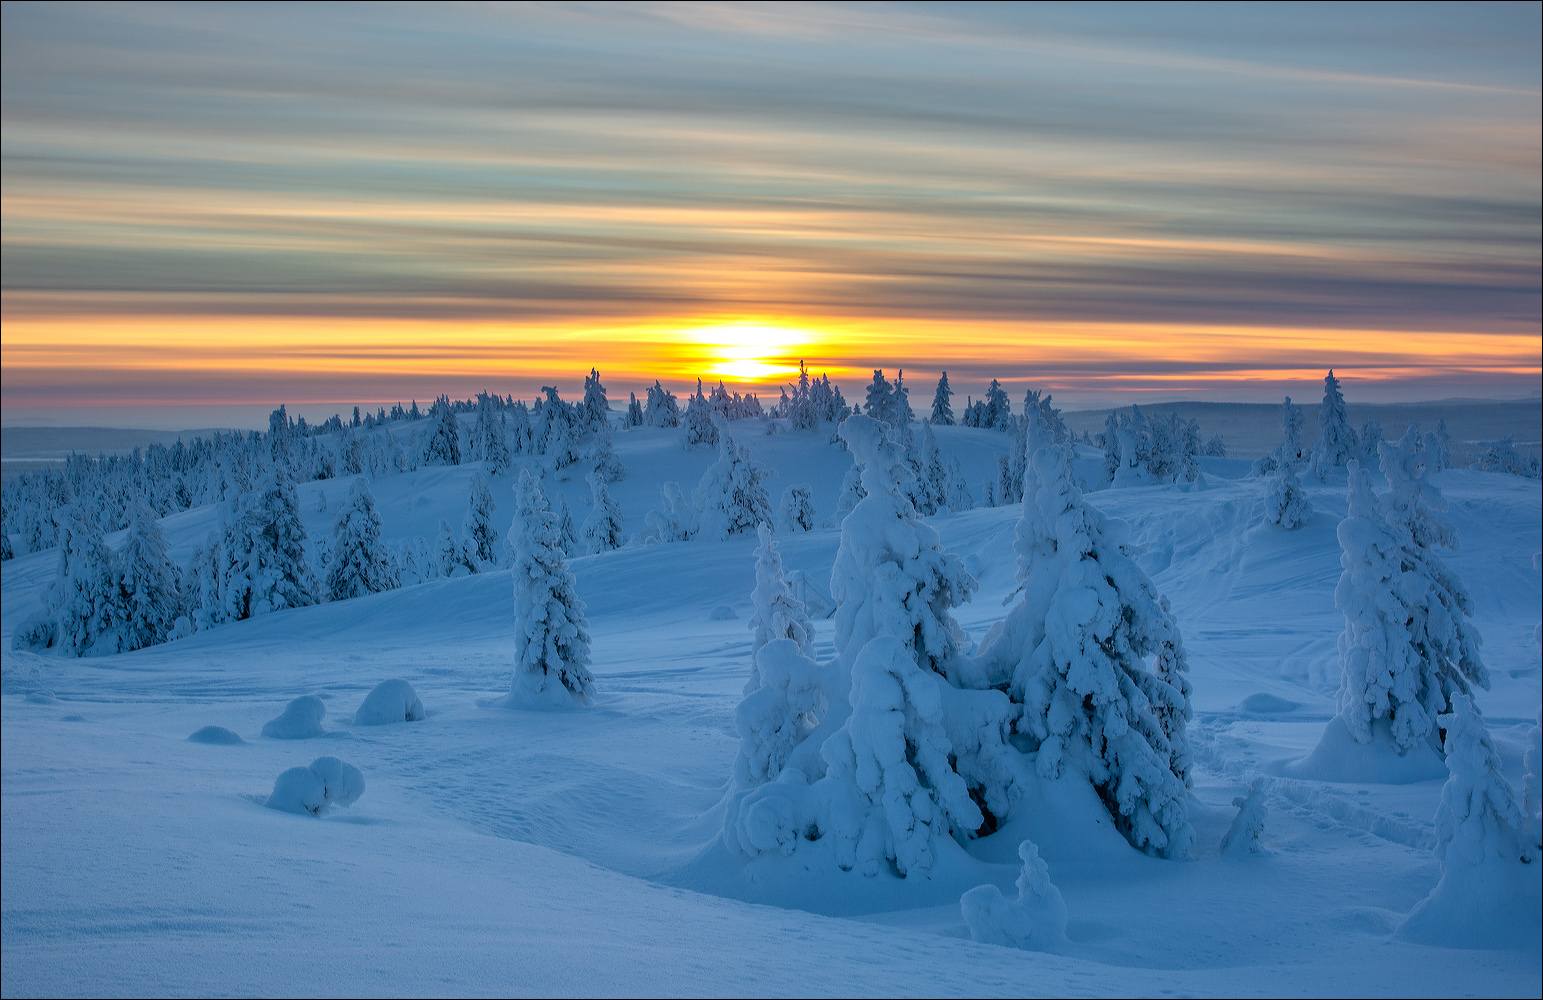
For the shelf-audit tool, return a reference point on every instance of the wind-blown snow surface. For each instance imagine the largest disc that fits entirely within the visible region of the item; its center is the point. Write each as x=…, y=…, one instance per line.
x=501, y=851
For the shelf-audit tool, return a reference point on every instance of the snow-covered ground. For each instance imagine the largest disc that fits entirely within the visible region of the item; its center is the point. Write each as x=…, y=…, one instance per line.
x=498, y=851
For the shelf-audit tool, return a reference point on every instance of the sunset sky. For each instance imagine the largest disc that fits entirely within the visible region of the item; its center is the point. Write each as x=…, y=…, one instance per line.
x=241, y=205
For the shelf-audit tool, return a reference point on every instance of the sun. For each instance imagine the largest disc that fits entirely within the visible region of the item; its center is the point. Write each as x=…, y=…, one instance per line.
x=750, y=351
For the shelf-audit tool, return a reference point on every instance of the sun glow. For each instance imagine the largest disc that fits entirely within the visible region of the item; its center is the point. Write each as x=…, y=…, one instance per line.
x=750, y=352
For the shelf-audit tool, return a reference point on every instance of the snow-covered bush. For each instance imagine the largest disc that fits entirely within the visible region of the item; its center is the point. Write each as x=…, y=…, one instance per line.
x=300, y=720
x=1286, y=503
x=326, y=783
x=797, y=510
x=1489, y=883
x=675, y=520
x=1502, y=456
x=1408, y=645
x=603, y=527
x=1035, y=921
x=551, y=638
x=603, y=452
x=359, y=562
x=389, y=702
x=1242, y=837
x=478, y=537
x=777, y=614
x=216, y=736
x=732, y=497
x=1337, y=440
x=1074, y=650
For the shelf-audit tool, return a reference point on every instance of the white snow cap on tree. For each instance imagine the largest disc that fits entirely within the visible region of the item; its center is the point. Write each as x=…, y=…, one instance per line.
x=732, y=495
x=1035, y=921
x=797, y=510
x=359, y=562
x=891, y=575
x=603, y=527
x=1074, y=653
x=1408, y=646
x=551, y=639
x=1337, y=440
x=477, y=534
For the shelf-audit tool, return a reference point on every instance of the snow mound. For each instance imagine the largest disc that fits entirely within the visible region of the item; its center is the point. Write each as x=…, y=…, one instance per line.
x=722, y=613
x=1339, y=757
x=327, y=782
x=1242, y=838
x=391, y=701
x=1035, y=921
x=300, y=720
x=42, y=698
x=1267, y=704
x=216, y=735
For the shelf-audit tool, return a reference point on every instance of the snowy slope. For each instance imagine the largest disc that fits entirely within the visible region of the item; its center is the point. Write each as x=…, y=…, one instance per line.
x=497, y=851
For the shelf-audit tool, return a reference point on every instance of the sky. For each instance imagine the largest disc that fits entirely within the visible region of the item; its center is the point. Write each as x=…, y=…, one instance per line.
x=222, y=206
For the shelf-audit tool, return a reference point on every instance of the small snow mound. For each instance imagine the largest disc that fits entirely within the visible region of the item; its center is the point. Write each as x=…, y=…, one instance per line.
x=72, y=718
x=1035, y=920
x=300, y=720
x=1267, y=704
x=327, y=782
x=1339, y=757
x=42, y=698
x=391, y=701
x=722, y=613
x=216, y=735
x=1242, y=837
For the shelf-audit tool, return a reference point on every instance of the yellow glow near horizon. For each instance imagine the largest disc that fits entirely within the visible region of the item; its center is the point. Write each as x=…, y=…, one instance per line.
x=750, y=352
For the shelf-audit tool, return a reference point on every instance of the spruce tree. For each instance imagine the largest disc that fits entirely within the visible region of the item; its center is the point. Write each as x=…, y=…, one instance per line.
x=478, y=537
x=603, y=527
x=942, y=409
x=551, y=639
x=359, y=562
x=148, y=584
x=1337, y=442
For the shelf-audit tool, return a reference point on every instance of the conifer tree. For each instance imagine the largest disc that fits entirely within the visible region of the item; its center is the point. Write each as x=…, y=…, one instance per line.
x=603, y=527
x=551, y=640
x=1337, y=443
x=942, y=409
x=359, y=562
x=478, y=537
x=149, y=591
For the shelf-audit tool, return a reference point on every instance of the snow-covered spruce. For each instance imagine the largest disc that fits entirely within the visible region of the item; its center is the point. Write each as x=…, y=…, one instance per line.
x=489, y=439
x=1074, y=650
x=551, y=638
x=603, y=452
x=1286, y=502
x=1489, y=883
x=675, y=520
x=80, y=613
x=603, y=527
x=796, y=512
x=261, y=560
x=1337, y=441
x=732, y=497
x=300, y=720
x=942, y=408
x=1035, y=921
x=359, y=562
x=389, y=702
x=700, y=428
x=783, y=704
x=443, y=446
x=326, y=783
x=478, y=537
x=567, y=533
x=663, y=410
x=147, y=584
x=1408, y=645
x=450, y=556
x=777, y=614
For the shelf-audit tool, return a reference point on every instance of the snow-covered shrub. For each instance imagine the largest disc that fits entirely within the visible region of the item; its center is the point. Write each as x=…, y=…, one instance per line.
x=216, y=736
x=784, y=702
x=1286, y=503
x=551, y=638
x=1035, y=921
x=890, y=790
x=1074, y=650
x=797, y=510
x=326, y=783
x=1489, y=885
x=1242, y=837
x=1337, y=440
x=957, y=492
x=603, y=451
x=1408, y=645
x=777, y=614
x=1502, y=456
x=603, y=527
x=389, y=702
x=731, y=496
x=359, y=562
x=675, y=520
x=300, y=720
x=662, y=410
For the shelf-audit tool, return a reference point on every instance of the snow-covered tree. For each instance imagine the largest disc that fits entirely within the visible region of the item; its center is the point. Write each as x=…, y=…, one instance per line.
x=1074, y=652
x=567, y=535
x=1291, y=452
x=1407, y=647
x=783, y=703
x=522, y=434
x=443, y=446
x=700, y=426
x=880, y=401
x=1370, y=437
x=1502, y=456
x=6, y=552
x=1035, y=921
x=607, y=465
x=478, y=536
x=1441, y=448
x=551, y=639
x=596, y=410
x=1337, y=441
x=634, y=411
x=802, y=411
x=450, y=558
x=933, y=470
x=942, y=409
x=489, y=440
x=603, y=527
x=81, y=613
x=797, y=510
x=1286, y=503
x=998, y=413
x=561, y=450
x=149, y=593
x=263, y=547
x=732, y=495
x=359, y=562
x=777, y=614
x=663, y=410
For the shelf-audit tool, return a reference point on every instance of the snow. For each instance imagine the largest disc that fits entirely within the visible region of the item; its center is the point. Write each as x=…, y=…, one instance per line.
x=496, y=848
x=389, y=702
x=300, y=720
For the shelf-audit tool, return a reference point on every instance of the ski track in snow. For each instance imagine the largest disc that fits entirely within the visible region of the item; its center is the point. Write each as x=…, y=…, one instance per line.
x=500, y=851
